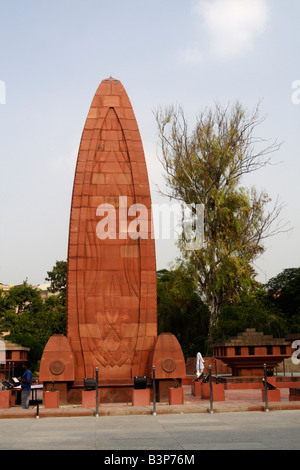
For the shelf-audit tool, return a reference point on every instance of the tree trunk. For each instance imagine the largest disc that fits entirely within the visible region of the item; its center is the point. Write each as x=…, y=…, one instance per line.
x=214, y=315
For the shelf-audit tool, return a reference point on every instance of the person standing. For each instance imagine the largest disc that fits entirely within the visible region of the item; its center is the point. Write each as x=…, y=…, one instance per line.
x=26, y=382
x=200, y=365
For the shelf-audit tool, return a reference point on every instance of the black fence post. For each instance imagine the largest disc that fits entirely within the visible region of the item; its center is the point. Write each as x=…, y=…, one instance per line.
x=97, y=394
x=210, y=392
x=266, y=388
x=37, y=416
x=37, y=410
x=154, y=391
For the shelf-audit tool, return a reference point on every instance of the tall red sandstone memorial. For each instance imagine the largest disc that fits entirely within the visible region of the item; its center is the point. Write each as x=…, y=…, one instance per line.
x=111, y=282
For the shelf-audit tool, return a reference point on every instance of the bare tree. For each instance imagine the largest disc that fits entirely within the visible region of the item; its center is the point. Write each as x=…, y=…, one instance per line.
x=206, y=166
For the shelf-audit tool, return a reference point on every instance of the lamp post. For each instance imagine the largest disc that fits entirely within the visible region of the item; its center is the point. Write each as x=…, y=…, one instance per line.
x=210, y=392
x=97, y=393
x=154, y=391
x=266, y=388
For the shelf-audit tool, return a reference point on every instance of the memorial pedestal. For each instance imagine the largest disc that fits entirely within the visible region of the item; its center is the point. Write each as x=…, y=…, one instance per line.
x=89, y=398
x=51, y=400
x=176, y=396
x=218, y=391
x=4, y=399
x=273, y=395
x=141, y=397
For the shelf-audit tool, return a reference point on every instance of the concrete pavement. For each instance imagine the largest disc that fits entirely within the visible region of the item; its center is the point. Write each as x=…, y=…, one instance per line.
x=239, y=422
x=183, y=433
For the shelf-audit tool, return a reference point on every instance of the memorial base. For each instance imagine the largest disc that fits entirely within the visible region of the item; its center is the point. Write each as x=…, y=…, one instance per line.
x=89, y=399
x=218, y=391
x=4, y=399
x=176, y=396
x=163, y=386
x=61, y=387
x=51, y=400
x=141, y=397
x=273, y=395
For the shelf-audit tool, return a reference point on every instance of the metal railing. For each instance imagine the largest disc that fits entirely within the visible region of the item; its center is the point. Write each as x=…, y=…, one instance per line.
x=154, y=391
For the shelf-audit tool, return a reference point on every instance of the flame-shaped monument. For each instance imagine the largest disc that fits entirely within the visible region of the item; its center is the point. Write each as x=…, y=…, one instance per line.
x=111, y=281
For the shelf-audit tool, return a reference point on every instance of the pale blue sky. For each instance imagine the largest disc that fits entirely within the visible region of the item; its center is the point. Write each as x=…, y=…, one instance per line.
x=53, y=55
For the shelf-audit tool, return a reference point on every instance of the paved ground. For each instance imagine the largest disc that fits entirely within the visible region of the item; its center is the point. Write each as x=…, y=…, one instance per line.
x=239, y=422
x=174, y=432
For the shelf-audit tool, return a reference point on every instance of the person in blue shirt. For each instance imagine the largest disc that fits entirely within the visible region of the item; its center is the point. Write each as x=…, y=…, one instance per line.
x=26, y=382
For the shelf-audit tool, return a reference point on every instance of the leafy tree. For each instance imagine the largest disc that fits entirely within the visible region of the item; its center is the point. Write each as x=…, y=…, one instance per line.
x=206, y=167
x=58, y=279
x=181, y=310
x=284, y=292
x=31, y=320
x=23, y=298
x=38, y=324
x=56, y=315
x=251, y=311
x=2, y=301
